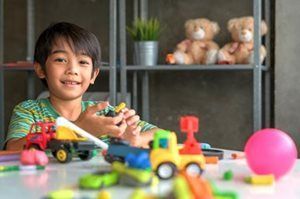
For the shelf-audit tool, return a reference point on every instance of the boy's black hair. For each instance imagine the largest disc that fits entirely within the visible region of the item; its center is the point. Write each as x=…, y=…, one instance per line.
x=79, y=39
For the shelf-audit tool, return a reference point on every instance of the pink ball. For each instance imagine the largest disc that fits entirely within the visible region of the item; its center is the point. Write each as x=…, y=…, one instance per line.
x=270, y=151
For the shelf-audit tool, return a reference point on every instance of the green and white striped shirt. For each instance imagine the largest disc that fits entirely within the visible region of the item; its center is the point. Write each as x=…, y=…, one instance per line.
x=41, y=110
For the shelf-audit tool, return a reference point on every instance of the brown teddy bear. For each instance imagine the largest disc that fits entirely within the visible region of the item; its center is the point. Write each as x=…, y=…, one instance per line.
x=240, y=50
x=199, y=47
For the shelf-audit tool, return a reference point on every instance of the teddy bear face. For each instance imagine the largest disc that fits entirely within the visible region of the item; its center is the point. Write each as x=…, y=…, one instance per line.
x=201, y=29
x=242, y=29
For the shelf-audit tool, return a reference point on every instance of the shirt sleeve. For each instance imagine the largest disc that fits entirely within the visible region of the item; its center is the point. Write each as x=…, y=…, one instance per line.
x=20, y=122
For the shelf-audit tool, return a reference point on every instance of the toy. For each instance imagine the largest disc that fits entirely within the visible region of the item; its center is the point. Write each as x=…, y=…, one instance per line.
x=34, y=157
x=99, y=180
x=6, y=168
x=228, y=175
x=165, y=157
x=198, y=47
x=240, y=50
x=270, y=151
x=6, y=156
x=104, y=195
x=132, y=176
x=166, y=160
x=62, y=141
x=260, y=179
x=189, y=125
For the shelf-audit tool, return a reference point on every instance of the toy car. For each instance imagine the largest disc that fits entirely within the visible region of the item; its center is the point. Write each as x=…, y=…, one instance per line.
x=98, y=180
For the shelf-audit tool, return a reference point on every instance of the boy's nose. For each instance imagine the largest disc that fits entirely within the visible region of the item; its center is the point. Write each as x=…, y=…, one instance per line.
x=72, y=69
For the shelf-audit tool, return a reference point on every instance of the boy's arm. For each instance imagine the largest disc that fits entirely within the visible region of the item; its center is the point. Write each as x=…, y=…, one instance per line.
x=16, y=144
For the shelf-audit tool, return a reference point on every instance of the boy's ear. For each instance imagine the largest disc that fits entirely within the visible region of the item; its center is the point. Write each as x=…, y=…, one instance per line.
x=39, y=71
x=94, y=76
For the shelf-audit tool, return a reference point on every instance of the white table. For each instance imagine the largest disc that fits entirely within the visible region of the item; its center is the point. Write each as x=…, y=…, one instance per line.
x=37, y=184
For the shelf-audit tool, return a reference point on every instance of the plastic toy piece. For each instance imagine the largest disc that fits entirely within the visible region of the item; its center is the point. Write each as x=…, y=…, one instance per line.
x=6, y=156
x=260, y=179
x=104, y=195
x=213, y=152
x=138, y=161
x=98, y=180
x=211, y=159
x=223, y=194
x=199, y=187
x=6, y=168
x=63, y=193
x=181, y=188
x=132, y=177
x=237, y=155
x=34, y=157
x=205, y=146
x=117, y=110
x=228, y=175
x=189, y=125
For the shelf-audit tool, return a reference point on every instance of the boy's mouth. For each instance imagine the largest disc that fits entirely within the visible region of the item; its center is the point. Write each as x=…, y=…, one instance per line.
x=70, y=82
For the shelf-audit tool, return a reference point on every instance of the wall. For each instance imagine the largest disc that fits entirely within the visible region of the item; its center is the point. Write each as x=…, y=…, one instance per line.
x=222, y=100
x=287, y=81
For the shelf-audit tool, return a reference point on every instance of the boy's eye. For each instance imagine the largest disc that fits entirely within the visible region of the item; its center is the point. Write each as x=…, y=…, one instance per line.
x=60, y=60
x=83, y=62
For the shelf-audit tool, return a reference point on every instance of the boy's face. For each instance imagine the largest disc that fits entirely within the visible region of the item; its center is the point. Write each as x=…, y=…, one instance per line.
x=68, y=75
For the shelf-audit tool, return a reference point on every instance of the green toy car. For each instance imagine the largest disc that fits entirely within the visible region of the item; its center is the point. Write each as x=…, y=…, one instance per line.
x=98, y=180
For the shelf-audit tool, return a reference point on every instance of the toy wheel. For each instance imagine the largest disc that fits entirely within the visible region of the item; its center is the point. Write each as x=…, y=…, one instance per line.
x=193, y=169
x=166, y=170
x=85, y=155
x=63, y=155
x=35, y=146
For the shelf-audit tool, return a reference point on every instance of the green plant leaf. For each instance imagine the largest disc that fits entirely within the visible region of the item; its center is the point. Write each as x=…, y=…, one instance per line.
x=144, y=30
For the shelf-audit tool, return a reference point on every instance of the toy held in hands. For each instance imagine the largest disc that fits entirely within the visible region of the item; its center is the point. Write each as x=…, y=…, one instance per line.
x=198, y=47
x=270, y=151
x=240, y=49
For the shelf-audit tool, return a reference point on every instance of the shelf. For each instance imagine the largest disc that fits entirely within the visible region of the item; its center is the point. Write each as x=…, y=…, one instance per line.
x=237, y=67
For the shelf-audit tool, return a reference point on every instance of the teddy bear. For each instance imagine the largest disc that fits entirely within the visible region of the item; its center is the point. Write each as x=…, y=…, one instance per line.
x=240, y=50
x=198, y=47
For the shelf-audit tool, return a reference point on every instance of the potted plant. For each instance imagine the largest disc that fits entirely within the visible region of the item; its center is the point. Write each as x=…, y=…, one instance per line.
x=145, y=34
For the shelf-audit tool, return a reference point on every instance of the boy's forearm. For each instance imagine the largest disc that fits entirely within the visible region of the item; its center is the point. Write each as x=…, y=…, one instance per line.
x=16, y=144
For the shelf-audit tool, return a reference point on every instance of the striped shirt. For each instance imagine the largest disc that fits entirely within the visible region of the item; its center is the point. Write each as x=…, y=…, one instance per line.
x=41, y=110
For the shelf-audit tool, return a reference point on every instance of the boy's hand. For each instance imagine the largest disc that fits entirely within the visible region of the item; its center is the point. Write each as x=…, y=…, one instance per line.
x=101, y=125
x=132, y=132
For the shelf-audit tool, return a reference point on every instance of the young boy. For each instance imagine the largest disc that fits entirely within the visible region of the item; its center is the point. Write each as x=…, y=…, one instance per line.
x=67, y=60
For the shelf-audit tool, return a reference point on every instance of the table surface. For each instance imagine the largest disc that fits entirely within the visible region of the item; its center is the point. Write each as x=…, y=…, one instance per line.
x=37, y=184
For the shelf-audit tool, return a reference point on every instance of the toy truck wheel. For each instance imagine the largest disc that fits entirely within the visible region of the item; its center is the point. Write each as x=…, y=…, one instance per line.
x=85, y=155
x=193, y=169
x=34, y=146
x=63, y=155
x=166, y=170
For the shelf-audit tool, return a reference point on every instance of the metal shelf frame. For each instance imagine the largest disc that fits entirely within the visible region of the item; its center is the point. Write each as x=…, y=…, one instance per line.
x=141, y=10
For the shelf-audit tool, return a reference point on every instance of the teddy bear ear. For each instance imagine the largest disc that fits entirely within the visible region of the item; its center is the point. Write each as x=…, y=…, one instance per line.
x=263, y=28
x=188, y=22
x=216, y=27
x=231, y=24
